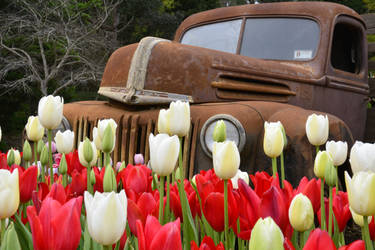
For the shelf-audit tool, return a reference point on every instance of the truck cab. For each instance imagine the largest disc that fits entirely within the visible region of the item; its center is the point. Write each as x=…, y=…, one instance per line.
x=244, y=64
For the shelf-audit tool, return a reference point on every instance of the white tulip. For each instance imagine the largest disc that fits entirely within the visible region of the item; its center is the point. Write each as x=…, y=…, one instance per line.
x=64, y=141
x=317, y=127
x=98, y=132
x=34, y=129
x=50, y=111
x=239, y=175
x=338, y=151
x=106, y=216
x=226, y=159
x=273, y=142
x=358, y=219
x=0, y=134
x=301, y=213
x=362, y=157
x=175, y=120
x=266, y=235
x=81, y=156
x=17, y=156
x=361, y=192
x=9, y=193
x=164, y=150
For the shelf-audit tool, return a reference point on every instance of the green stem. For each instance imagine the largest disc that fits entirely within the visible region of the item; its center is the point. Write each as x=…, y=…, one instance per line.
x=64, y=180
x=317, y=149
x=106, y=159
x=27, y=164
x=100, y=159
x=330, y=213
x=166, y=219
x=49, y=133
x=107, y=247
x=282, y=169
x=36, y=153
x=295, y=239
x=322, y=208
x=301, y=240
x=182, y=172
x=226, y=239
x=161, y=200
x=2, y=222
x=89, y=187
x=274, y=167
x=337, y=180
x=368, y=242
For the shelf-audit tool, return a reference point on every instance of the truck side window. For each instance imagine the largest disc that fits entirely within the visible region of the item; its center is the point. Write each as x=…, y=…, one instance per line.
x=346, y=47
x=221, y=36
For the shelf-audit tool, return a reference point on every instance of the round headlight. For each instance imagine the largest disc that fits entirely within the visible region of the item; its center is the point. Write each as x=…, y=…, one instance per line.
x=234, y=130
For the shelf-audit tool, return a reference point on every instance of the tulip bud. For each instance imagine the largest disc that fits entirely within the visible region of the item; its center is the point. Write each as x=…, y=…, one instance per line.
x=226, y=159
x=338, y=151
x=164, y=150
x=266, y=234
x=138, y=159
x=361, y=192
x=27, y=154
x=301, y=213
x=108, y=140
x=10, y=193
x=10, y=240
x=193, y=181
x=330, y=175
x=10, y=157
x=284, y=134
x=34, y=130
x=177, y=174
x=317, y=127
x=88, y=153
x=63, y=167
x=92, y=177
x=40, y=146
x=109, y=181
x=322, y=159
x=44, y=156
x=220, y=133
x=50, y=111
x=273, y=142
x=239, y=175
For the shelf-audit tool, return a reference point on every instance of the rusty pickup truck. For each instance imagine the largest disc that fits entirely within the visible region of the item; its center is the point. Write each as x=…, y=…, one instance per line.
x=245, y=64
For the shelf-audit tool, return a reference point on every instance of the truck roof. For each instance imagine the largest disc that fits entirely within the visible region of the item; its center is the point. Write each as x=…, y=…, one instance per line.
x=321, y=11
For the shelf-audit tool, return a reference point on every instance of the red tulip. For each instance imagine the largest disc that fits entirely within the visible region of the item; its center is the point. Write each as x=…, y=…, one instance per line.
x=356, y=245
x=206, y=244
x=319, y=239
x=155, y=236
x=3, y=161
x=72, y=162
x=288, y=244
x=99, y=177
x=312, y=190
x=340, y=205
x=78, y=184
x=326, y=207
x=137, y=178
x=28, y=181
x=57, y=192
x=146, y=205
x=273, y=205
x=263, y=181
x=56, y=226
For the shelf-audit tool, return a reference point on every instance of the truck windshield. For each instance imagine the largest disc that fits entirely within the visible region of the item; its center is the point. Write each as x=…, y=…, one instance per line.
x=221, y=36
x=280, y=38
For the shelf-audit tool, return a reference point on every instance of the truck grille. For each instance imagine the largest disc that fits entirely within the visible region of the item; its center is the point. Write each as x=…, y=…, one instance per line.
x=132, y=138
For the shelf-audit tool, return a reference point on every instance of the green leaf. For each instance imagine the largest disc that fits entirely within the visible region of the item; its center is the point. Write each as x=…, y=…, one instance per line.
x=24, y=235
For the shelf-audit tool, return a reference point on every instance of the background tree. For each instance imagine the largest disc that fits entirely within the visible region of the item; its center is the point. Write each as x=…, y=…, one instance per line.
x=54, y=43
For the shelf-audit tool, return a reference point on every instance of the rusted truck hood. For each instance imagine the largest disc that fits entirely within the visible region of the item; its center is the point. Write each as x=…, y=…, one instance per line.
x=159, y=71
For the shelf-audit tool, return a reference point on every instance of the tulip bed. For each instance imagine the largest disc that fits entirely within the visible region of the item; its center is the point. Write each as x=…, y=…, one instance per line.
x=81, y=200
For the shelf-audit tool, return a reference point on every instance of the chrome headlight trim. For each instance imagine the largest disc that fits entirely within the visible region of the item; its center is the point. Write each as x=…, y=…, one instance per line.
x=234, y=129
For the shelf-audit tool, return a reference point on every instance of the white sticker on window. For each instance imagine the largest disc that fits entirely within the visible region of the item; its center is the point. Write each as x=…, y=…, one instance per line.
x=302, y=54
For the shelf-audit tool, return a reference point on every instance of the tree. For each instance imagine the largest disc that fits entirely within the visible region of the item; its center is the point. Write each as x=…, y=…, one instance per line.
x=55, y=43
